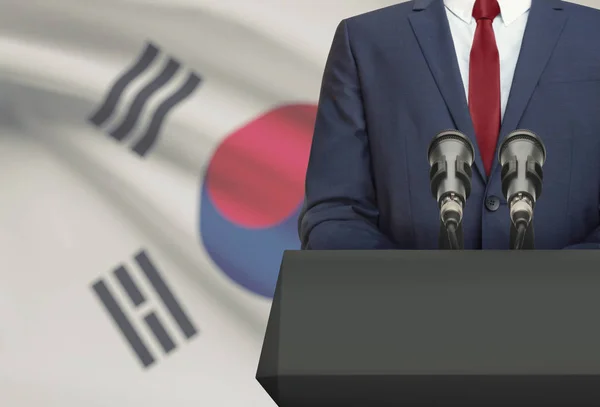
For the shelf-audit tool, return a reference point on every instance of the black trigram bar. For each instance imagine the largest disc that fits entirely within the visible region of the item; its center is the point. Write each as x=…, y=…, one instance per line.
x=106, y=110
x=120, y=319
x=159, y=331
x=151, y=319
x=165, y=294
x=122, y=130
x=136, y=107
x=130, y=287
x=151, y=134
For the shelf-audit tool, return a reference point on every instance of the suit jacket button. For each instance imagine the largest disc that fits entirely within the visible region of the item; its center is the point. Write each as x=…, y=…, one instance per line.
x=492, y=203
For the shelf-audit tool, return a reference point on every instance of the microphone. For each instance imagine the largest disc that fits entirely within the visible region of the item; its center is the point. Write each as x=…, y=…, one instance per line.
x=450, y=156
x=521, y=155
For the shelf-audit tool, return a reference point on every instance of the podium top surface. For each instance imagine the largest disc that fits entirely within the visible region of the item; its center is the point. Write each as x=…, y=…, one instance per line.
x=436, y=313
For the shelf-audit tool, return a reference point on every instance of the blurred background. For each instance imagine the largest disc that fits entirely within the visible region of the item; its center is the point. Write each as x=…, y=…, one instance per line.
x=152, y=159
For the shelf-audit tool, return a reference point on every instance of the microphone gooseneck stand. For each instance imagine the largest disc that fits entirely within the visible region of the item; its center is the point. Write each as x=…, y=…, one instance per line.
x=519, y=236
x=451, y=237
x=522, y=237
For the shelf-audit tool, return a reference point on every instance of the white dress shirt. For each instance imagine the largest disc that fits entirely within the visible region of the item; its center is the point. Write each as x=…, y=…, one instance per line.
x=509, y=28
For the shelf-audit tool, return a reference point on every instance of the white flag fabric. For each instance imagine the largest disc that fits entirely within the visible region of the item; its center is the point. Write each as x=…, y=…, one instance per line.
x=153, y=155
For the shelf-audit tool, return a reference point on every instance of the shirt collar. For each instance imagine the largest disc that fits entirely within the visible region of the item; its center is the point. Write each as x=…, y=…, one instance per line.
x=510, y=10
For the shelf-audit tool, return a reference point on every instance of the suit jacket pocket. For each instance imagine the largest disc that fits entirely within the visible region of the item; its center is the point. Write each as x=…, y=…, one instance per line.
x=574, y=73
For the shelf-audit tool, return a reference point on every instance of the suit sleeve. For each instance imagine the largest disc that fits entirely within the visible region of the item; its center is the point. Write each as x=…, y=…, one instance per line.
x=340, y=211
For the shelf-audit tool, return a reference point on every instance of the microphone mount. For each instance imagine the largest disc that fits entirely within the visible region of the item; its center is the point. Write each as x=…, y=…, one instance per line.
x=451, y=210
x=521, y=213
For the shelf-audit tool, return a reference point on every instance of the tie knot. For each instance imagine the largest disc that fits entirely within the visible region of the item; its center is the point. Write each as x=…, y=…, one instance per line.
x=486, y=10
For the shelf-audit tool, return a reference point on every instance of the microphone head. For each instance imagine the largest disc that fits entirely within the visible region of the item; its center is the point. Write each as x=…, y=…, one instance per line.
x=522, y=144
x=451, y=156
x=522, y=155
x=451, y=142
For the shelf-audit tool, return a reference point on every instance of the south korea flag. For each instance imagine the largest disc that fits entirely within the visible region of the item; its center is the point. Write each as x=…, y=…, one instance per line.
x=153, y=157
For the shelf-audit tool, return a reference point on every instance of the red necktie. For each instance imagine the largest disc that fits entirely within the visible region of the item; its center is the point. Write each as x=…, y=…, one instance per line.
x=484, y=81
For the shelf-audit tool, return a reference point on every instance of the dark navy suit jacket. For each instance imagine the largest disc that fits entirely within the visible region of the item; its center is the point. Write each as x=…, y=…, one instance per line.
x=392, y=82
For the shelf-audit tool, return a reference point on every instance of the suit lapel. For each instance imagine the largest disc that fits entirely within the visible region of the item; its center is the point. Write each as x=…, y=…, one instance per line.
x=430, y=25
x=544, y=27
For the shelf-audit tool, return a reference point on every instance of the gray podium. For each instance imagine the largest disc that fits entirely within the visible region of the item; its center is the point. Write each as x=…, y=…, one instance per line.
x=434, y=328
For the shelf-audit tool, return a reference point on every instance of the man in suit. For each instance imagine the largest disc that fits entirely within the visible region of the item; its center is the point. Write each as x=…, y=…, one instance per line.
x=397, y=76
